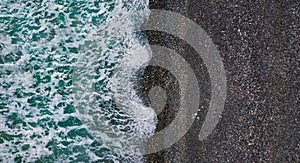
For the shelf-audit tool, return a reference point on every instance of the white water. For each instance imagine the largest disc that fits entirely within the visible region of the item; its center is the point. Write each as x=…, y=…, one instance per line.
x=110, y=52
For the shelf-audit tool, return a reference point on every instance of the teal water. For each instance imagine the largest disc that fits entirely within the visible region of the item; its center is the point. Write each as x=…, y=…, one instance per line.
x=65, y=80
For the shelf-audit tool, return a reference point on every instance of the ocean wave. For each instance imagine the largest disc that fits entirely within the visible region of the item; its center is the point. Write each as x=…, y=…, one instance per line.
x=66, y=86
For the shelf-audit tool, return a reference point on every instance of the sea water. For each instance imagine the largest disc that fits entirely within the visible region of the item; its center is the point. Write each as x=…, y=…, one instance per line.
x=67, y=78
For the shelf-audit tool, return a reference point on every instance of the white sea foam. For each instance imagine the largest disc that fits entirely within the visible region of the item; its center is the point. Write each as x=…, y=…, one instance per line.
x=46, y=77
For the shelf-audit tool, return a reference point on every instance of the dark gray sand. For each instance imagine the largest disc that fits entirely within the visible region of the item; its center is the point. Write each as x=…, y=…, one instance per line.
x=259, y=43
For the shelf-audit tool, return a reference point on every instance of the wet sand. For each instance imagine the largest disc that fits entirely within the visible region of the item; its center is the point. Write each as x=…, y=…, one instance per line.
x=259, y=44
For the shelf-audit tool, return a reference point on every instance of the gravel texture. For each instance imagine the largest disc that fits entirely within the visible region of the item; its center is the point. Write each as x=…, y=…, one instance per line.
x=259, y=43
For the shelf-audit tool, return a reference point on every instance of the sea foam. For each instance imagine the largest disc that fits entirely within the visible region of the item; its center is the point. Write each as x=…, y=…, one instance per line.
x=66, y=86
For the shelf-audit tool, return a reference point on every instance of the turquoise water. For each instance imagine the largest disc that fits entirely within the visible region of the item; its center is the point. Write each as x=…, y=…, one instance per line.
x=66, y=90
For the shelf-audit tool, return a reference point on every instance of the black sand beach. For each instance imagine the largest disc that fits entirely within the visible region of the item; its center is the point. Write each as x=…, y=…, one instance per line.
x=259, y=44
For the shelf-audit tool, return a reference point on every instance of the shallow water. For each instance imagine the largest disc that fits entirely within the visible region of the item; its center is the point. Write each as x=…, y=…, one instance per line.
x=66, y=86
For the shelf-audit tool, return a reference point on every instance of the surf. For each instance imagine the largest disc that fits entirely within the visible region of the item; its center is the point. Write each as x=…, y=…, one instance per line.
x=67, y=80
